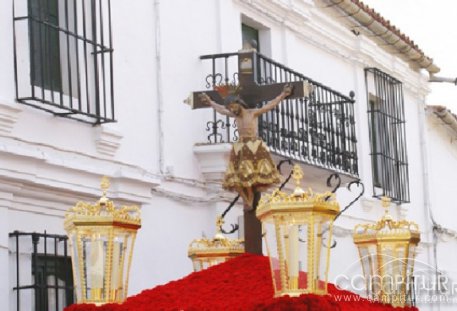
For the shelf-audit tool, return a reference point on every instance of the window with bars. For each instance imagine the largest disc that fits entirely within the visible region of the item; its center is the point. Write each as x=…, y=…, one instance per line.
x=386, y=121
x=64, y=57
x=42, y=273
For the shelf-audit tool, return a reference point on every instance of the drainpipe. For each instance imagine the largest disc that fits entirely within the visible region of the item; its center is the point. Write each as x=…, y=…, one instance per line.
x=434, y=78
x=431, y=224
x=158, y=59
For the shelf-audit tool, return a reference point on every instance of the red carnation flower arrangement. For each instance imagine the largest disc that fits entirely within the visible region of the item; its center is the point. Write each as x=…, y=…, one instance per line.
x=243, y=283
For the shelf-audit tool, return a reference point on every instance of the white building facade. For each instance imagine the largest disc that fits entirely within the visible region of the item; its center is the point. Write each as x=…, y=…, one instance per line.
x=96, y=88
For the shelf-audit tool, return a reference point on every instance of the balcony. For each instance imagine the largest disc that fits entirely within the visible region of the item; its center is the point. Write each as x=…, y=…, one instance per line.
x=317, y=130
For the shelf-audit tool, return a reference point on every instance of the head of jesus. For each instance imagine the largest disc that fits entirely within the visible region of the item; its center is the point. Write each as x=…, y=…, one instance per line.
x=235, y=104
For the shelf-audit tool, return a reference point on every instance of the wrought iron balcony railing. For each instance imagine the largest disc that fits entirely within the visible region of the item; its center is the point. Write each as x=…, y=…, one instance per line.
x=317, y=130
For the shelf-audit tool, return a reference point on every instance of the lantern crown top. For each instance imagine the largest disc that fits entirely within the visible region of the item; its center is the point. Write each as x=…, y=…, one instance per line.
x=385, y=202
x=103, y=212
x=297, y=175
x=298, y=201
x=219, y=245
x=104, y=185
x=387, y=228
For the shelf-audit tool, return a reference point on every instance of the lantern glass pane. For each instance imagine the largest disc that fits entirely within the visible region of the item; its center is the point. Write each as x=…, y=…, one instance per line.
x=322, y=246
x=285, y=246
x=201, y=263
x=76, y=259
x=123, y=244
x=386, y=271
x=410, y=268
x=393, y=271
x=217, y=260
x=298, y=254
x=120, y=257
x=204, y=264
x=94, y=256
x=104, y=256
x=400, y=268
x=368, y=257
x=366, y=267
x=196, y=265
x=410, y=275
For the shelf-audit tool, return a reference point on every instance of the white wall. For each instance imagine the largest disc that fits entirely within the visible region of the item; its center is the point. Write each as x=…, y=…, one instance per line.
x=53, y=162
x=442, y=151
x=442, y=161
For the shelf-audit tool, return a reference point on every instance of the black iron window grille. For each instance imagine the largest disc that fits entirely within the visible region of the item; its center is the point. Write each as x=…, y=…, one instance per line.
x=63, y=58
x=386, y=120
x=317, y=130
x=42, y=275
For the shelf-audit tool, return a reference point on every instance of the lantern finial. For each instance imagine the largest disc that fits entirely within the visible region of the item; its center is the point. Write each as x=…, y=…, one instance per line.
x=105, y=184
x=385, y=202
x=219, y=224
x=297, y=175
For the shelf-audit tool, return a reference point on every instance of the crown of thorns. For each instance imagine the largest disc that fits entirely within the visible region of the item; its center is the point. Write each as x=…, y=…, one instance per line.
x=226, y=90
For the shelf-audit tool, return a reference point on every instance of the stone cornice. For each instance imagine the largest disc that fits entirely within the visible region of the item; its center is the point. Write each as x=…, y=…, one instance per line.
x=280, y=11
x=44, y=167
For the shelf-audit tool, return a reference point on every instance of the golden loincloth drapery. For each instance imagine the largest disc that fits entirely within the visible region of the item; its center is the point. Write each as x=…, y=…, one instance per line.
x=250, y=165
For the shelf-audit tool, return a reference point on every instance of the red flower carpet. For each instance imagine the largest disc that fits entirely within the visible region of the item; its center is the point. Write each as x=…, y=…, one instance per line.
x=243, y=283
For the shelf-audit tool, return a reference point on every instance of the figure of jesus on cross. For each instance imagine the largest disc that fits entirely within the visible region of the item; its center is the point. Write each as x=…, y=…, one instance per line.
x=250, y=168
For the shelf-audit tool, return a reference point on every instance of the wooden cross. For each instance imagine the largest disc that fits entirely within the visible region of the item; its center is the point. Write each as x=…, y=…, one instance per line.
x=252, y=93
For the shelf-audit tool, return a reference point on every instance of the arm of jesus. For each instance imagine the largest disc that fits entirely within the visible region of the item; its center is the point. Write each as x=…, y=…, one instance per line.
x=273, y=103
x=219, y=108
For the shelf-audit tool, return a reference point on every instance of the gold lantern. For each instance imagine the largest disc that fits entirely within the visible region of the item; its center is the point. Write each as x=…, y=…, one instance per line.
x=101, y=239
x=205, y=253
x=387, y=250
x=298, y=232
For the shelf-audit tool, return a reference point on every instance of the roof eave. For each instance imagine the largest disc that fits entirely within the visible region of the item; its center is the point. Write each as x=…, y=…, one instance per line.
x=386, y=33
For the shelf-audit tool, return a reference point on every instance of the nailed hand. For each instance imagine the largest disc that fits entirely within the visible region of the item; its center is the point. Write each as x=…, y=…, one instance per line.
x=204, y=98
x=287, y=90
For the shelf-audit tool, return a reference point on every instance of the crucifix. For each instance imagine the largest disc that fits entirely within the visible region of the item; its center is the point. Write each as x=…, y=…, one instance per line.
x=250, y=169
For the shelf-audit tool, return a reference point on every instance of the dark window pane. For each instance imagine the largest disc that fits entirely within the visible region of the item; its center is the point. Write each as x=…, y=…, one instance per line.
x=50, y=269
x=44, y=44
x=250, y=34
